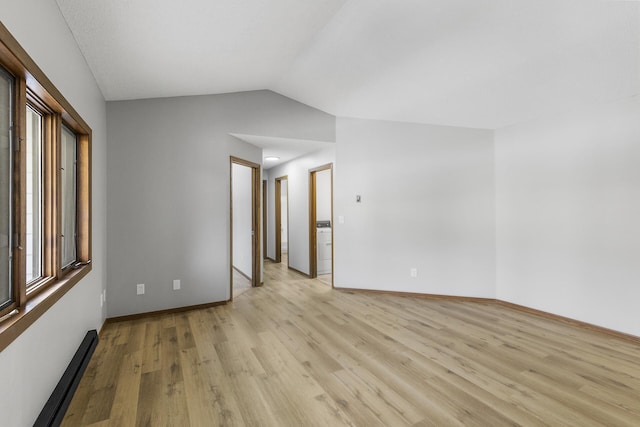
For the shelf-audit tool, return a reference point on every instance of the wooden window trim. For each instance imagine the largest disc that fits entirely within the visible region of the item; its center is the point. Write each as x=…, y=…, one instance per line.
x=11, y=328
x=32, y=86
x=20, y=204
x=46, y=276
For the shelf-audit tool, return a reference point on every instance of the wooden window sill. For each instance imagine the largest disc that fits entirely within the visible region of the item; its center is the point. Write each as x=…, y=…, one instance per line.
x=13, y=326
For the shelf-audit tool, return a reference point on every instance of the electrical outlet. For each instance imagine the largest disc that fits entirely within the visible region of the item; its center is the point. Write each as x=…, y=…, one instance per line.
x=101, y=300
x=414, y=272
x=140, y=288
x=176, y=284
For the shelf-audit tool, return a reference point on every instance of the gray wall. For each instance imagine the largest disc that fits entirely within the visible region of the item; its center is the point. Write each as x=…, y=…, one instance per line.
x=33, y=364
x=168, y=190
x=428, y=202
x=568, y=210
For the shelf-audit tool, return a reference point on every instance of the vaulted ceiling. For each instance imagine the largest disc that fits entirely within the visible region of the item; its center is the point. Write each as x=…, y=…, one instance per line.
x=472, y=63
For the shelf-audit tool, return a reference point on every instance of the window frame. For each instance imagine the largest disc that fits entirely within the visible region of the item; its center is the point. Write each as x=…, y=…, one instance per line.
x=42, y=184
x=12, y=303
x=65, y=266
x=33, y=88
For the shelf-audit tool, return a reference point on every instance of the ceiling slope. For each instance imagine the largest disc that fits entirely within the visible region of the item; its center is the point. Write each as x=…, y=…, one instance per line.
x=161, y=48
x=481, y=64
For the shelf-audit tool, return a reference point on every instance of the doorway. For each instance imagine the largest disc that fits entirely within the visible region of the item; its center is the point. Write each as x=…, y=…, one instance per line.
x=282, y=219
x=321, y=223
x=244, y=265
x=264, y=219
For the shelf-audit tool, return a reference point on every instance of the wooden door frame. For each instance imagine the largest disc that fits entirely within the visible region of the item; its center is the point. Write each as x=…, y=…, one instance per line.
x=278, y=217
x=255, y=221
x=264, y=219
x=313, y=237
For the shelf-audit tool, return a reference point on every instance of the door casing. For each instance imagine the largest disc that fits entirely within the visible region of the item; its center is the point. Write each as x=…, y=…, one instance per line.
x=255, y=222
x=278, y=216
x=313, y=238
x=264, y=219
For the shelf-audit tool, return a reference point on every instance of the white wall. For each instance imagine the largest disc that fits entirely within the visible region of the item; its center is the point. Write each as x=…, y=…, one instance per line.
x=241, y=196
x=568, y=215
x=298, y=192
x=168, y=189
x=33, y=364
x=323, y=195
x=427, y=203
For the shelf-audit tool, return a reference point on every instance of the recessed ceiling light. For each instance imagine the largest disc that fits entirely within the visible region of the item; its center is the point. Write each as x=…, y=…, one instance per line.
x=272, y=158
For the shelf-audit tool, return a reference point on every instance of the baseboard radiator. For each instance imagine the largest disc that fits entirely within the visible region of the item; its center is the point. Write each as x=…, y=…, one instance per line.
x=55, y=408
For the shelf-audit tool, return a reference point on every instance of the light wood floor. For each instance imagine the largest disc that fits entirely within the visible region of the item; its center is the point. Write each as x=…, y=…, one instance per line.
x=325, y=278
x=240, y=283
x=297, y=353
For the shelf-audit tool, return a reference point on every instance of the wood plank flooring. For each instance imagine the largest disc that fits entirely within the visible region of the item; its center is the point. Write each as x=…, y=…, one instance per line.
x=297, y=353
x=240, y=284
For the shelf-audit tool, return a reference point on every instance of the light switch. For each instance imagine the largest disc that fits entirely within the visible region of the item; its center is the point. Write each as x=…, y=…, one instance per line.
x=340, y=219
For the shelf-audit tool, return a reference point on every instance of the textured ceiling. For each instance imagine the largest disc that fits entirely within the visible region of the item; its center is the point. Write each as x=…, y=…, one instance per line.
x=472, y=63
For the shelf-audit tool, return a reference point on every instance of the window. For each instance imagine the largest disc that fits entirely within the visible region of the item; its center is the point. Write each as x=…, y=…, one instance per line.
x=34, y=195
x=45, y=199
